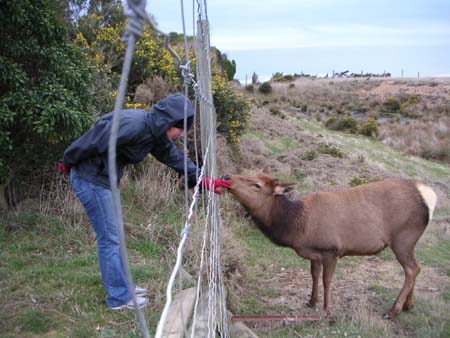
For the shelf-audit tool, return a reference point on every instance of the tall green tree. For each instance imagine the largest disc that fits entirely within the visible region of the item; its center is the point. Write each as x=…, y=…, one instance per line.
x=254, y=78
x=45, y=88
x=229, y=67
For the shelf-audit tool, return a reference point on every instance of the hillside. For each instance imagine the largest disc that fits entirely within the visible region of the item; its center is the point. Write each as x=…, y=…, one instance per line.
x=49, y=276
x=297, y=146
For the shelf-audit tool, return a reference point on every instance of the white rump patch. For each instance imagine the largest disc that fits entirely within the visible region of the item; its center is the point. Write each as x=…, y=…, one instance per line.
x=429, y=196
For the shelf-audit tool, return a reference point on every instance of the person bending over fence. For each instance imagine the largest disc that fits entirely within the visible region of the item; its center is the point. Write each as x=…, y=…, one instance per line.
x=86, y=161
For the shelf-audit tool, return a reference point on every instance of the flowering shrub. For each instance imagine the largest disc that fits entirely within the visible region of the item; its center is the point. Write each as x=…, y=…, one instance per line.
x=152, y=60
x=370, y=128
x=233, y=111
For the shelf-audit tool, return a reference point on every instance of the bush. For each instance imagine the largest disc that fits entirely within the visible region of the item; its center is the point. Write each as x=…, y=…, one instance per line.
x=277, y=112
x=325, y=148
x=358, y=180
x=331, y=122
x=45, y=89
x=413, y=99
x=391, y=105
x=249, y=88
x=310, y=155
x=265, y=88
x=370, y=128
x=345, y=123
x=233, y=111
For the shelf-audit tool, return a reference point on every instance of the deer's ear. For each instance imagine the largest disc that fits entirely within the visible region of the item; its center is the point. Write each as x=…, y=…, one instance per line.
x=283, y=188
x=266, y=170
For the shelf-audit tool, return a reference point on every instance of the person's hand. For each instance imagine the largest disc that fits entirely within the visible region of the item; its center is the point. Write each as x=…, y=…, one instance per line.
x=63, y=169
x=212, y=183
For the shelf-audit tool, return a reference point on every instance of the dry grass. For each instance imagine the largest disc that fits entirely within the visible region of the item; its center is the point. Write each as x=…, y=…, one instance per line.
x=420, y=128
x=427, y=139
x=58, y=199
x=151, y=186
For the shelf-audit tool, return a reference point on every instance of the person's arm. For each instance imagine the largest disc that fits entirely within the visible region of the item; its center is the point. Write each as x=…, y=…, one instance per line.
x=171, y=156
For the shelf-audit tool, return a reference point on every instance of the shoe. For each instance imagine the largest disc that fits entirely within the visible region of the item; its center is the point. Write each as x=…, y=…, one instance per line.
x=140, y=291
x=141, y=301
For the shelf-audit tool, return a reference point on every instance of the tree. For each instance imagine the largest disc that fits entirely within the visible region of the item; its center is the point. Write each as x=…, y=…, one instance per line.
x=229, y=67
x=45, y=84
x=254, y=78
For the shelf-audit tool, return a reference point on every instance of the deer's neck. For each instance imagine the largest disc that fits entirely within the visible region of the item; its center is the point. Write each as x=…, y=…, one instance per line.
x=281, y=222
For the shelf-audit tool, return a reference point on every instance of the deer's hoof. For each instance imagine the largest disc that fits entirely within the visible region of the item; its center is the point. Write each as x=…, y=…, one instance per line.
x=407, y=307
x=387, y=316
x=331, y=319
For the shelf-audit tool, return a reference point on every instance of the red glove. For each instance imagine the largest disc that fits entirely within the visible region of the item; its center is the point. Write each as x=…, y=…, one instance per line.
x=63, y=169
x=212, y=183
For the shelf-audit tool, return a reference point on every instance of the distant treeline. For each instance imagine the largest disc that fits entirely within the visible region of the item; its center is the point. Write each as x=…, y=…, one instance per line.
x=280, y=77
x=346, y=74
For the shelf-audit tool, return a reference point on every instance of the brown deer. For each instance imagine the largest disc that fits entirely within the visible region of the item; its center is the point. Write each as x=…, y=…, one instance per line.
x=325, y=226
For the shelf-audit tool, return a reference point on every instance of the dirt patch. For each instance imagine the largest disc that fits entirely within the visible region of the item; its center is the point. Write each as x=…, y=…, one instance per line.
x=351, y=286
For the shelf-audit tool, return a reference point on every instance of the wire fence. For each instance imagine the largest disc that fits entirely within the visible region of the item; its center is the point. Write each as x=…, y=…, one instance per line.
x=210, y=291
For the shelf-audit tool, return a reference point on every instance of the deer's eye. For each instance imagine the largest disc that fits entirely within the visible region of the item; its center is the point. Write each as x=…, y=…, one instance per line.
x=257, y=185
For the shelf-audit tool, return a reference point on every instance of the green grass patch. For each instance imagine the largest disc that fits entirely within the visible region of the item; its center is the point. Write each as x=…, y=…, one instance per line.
x=34, y=321
x=436, y=255
x=51, y=284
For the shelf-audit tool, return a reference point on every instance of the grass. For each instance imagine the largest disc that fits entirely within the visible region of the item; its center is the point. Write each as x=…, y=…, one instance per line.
x=49, y=277
x=379, y=153
x=275, y=147
x=436, y=255
x=52, y=284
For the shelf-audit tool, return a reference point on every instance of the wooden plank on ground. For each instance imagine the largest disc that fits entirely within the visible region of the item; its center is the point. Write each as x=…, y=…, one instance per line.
x=183, y=303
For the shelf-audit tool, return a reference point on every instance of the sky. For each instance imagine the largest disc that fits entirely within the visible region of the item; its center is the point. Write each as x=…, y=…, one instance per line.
x=407, y=38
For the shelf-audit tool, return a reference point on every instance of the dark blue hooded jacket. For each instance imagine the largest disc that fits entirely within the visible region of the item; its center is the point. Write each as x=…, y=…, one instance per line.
x=140, y=133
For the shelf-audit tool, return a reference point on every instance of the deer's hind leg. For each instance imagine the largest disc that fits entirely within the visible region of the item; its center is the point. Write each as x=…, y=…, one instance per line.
x=410, y=301
x=404, y=252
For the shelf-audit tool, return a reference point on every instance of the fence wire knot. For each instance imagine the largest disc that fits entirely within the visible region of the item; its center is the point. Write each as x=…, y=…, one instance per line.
x=186, y=72
x=136, y=19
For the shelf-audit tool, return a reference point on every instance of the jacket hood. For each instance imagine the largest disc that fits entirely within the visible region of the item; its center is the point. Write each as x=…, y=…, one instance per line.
x=170, y=112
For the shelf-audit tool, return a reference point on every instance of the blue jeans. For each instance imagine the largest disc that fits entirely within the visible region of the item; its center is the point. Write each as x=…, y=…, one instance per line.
x=99, y=207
